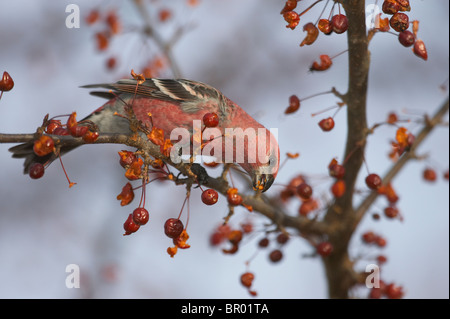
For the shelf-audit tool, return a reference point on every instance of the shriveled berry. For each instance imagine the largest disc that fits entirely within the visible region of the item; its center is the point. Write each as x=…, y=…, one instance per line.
x=373, y=181
x=312, y=34
x=292, y=18
x=276, y=255
x=399, y=22
x=324, y=248
x=247, y=279
x=210, y=119
x=130, y=226
x=406, y=38
x=339, y=23
x=390, y=6
x=304, y=190
x=173, y=227
x=325, y=26
x=141, y=216
x=294, y=104
x=43, y=146
x=36, y=170
x=210, y=196
x=127, y=158
x=289, y=6
x=324, y=64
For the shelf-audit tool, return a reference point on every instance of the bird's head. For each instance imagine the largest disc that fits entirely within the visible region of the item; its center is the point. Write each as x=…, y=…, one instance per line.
x=264, y=169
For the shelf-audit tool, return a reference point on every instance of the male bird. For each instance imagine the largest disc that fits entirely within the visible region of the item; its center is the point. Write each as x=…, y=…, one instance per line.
x=176, y=104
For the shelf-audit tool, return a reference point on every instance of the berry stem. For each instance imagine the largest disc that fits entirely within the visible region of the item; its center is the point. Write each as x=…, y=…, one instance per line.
x=65, y=173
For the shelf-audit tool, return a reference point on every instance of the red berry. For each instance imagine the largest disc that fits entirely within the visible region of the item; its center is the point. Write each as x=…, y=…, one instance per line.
x=307, y=207
x=420, y=50
x=369, y=237
x=130, y=226
x=111, y=63
x=304, y=191
x=406, y=38
x=276, y=255
x=337, y=171
x=324, y=248
x=61, y=131
x=338, y=188
x=390, y=6
x=247, y=279
x=381, y=259
x=36, y=170
x=90, y=136
x=210, y=119
x=78, y=131
x=399, y=22
x=327, y=124
x=140, y=216
x=263, y=243
x=234, y=199
x=210, y=197
x=429, y=175
x=173, y=227
x=373, y=181
x=380, y=241
x=52, y=125
x=375, y=293
x=6, y=83
x=391, y=211
x=339, y=23
x=282, y=238
x=394, y=292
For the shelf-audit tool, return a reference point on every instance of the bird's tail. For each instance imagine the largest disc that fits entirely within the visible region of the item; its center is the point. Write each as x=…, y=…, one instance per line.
x=25, y=151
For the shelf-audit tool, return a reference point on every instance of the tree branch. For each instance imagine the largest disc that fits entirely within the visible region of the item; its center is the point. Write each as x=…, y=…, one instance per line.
x=339, y=268
x=258, y=202
x=396, y=168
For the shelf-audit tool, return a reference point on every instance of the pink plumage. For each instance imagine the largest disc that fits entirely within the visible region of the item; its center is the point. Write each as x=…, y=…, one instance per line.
x=176, y=104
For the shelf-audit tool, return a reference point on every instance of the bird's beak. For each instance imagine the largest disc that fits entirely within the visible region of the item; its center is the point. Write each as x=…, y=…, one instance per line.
x=262, y=182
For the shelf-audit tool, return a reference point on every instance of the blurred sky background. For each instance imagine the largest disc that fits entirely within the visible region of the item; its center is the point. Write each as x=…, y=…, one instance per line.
x=243, y=49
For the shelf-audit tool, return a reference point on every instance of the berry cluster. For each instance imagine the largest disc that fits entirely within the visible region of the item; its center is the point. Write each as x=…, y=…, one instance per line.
x=45, y=145
x=372, y=238
x=399, y=22
x=337, y=23
x=389, y=291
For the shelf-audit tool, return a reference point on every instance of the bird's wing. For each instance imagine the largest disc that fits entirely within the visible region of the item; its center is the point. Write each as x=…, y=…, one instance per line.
x=190, y=95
